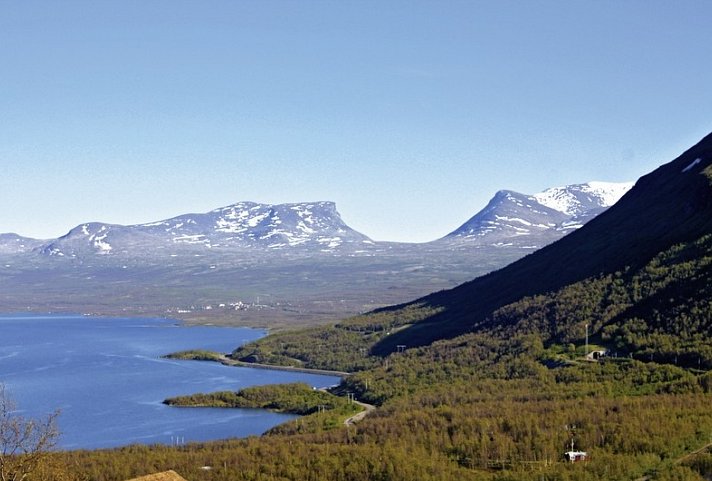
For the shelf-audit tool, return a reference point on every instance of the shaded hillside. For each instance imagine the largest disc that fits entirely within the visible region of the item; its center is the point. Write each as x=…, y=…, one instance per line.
x=661, y=311
x=671, y=205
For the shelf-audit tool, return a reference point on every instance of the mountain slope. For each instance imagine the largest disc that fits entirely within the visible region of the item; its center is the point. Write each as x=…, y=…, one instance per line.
x=637, y=275
x=533, y=221
x=15, y=244
x=671, y=205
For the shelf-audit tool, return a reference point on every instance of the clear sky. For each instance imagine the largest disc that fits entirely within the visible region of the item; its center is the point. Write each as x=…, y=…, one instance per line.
x=409, y=115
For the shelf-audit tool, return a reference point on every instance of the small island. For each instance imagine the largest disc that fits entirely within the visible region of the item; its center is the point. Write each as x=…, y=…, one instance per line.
x=196, y=355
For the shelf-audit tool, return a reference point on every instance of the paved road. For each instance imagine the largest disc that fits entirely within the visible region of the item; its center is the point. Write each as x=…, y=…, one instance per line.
x=232, y=362
x=367, y=408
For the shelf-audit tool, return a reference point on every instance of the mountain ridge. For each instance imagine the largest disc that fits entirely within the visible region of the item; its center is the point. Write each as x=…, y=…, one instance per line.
x=240, y=225
x=670, y=205
x=509, y=219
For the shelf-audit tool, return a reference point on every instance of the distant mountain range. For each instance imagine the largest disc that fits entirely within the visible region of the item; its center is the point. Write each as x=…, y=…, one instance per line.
x=275, y=265
x=510, y=219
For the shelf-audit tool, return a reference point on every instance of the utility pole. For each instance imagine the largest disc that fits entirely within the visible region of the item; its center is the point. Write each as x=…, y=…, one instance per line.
x=585, y=352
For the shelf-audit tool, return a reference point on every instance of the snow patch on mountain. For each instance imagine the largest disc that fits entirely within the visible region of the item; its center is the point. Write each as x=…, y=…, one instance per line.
x=578, y=198
x=511, y=218
x=694, y=163
x=245, y=225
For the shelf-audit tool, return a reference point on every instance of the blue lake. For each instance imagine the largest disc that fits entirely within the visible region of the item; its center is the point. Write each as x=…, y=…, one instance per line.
x=107, y=378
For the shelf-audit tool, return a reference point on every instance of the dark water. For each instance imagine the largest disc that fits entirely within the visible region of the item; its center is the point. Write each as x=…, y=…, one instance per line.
x=107, y=378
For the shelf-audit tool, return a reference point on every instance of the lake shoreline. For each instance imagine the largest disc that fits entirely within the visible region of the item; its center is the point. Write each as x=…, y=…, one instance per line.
x=108, y=376
x=227, y=361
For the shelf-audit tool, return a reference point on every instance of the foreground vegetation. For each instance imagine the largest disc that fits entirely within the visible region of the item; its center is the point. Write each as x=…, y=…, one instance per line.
x=506, y=417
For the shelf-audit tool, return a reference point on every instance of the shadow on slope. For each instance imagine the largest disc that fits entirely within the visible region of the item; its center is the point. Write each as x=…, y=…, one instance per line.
x=672, y=204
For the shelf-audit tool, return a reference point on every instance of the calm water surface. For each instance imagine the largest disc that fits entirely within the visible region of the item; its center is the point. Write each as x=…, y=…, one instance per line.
x=108, y=380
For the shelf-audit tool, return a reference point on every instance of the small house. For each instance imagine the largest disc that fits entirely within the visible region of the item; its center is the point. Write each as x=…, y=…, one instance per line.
x=575, y=456
x=596, y=355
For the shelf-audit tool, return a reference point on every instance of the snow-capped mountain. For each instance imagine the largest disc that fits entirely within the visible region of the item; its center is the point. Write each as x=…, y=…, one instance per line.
x=514, y=219
x=510, y=219
x=315, y=225
x=507, y=217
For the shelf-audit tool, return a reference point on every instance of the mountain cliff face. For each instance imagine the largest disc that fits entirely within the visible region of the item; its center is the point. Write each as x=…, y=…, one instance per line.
x=315, y=226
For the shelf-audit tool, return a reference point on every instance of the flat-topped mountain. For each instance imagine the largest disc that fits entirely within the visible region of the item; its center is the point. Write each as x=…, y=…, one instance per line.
x=315, y=225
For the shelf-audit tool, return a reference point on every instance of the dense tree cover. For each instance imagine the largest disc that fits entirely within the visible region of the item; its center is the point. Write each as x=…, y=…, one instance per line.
x=661, y=312
x=471, y=408
x=342, y=347
x=452, y=432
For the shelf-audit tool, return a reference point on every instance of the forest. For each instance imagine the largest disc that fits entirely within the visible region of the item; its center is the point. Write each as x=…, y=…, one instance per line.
x=507, y=417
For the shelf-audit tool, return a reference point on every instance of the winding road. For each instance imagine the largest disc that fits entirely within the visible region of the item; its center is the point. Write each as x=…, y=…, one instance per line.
x=367, y=408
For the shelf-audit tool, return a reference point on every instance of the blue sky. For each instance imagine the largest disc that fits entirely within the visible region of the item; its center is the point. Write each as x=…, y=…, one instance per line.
x=409, y=114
